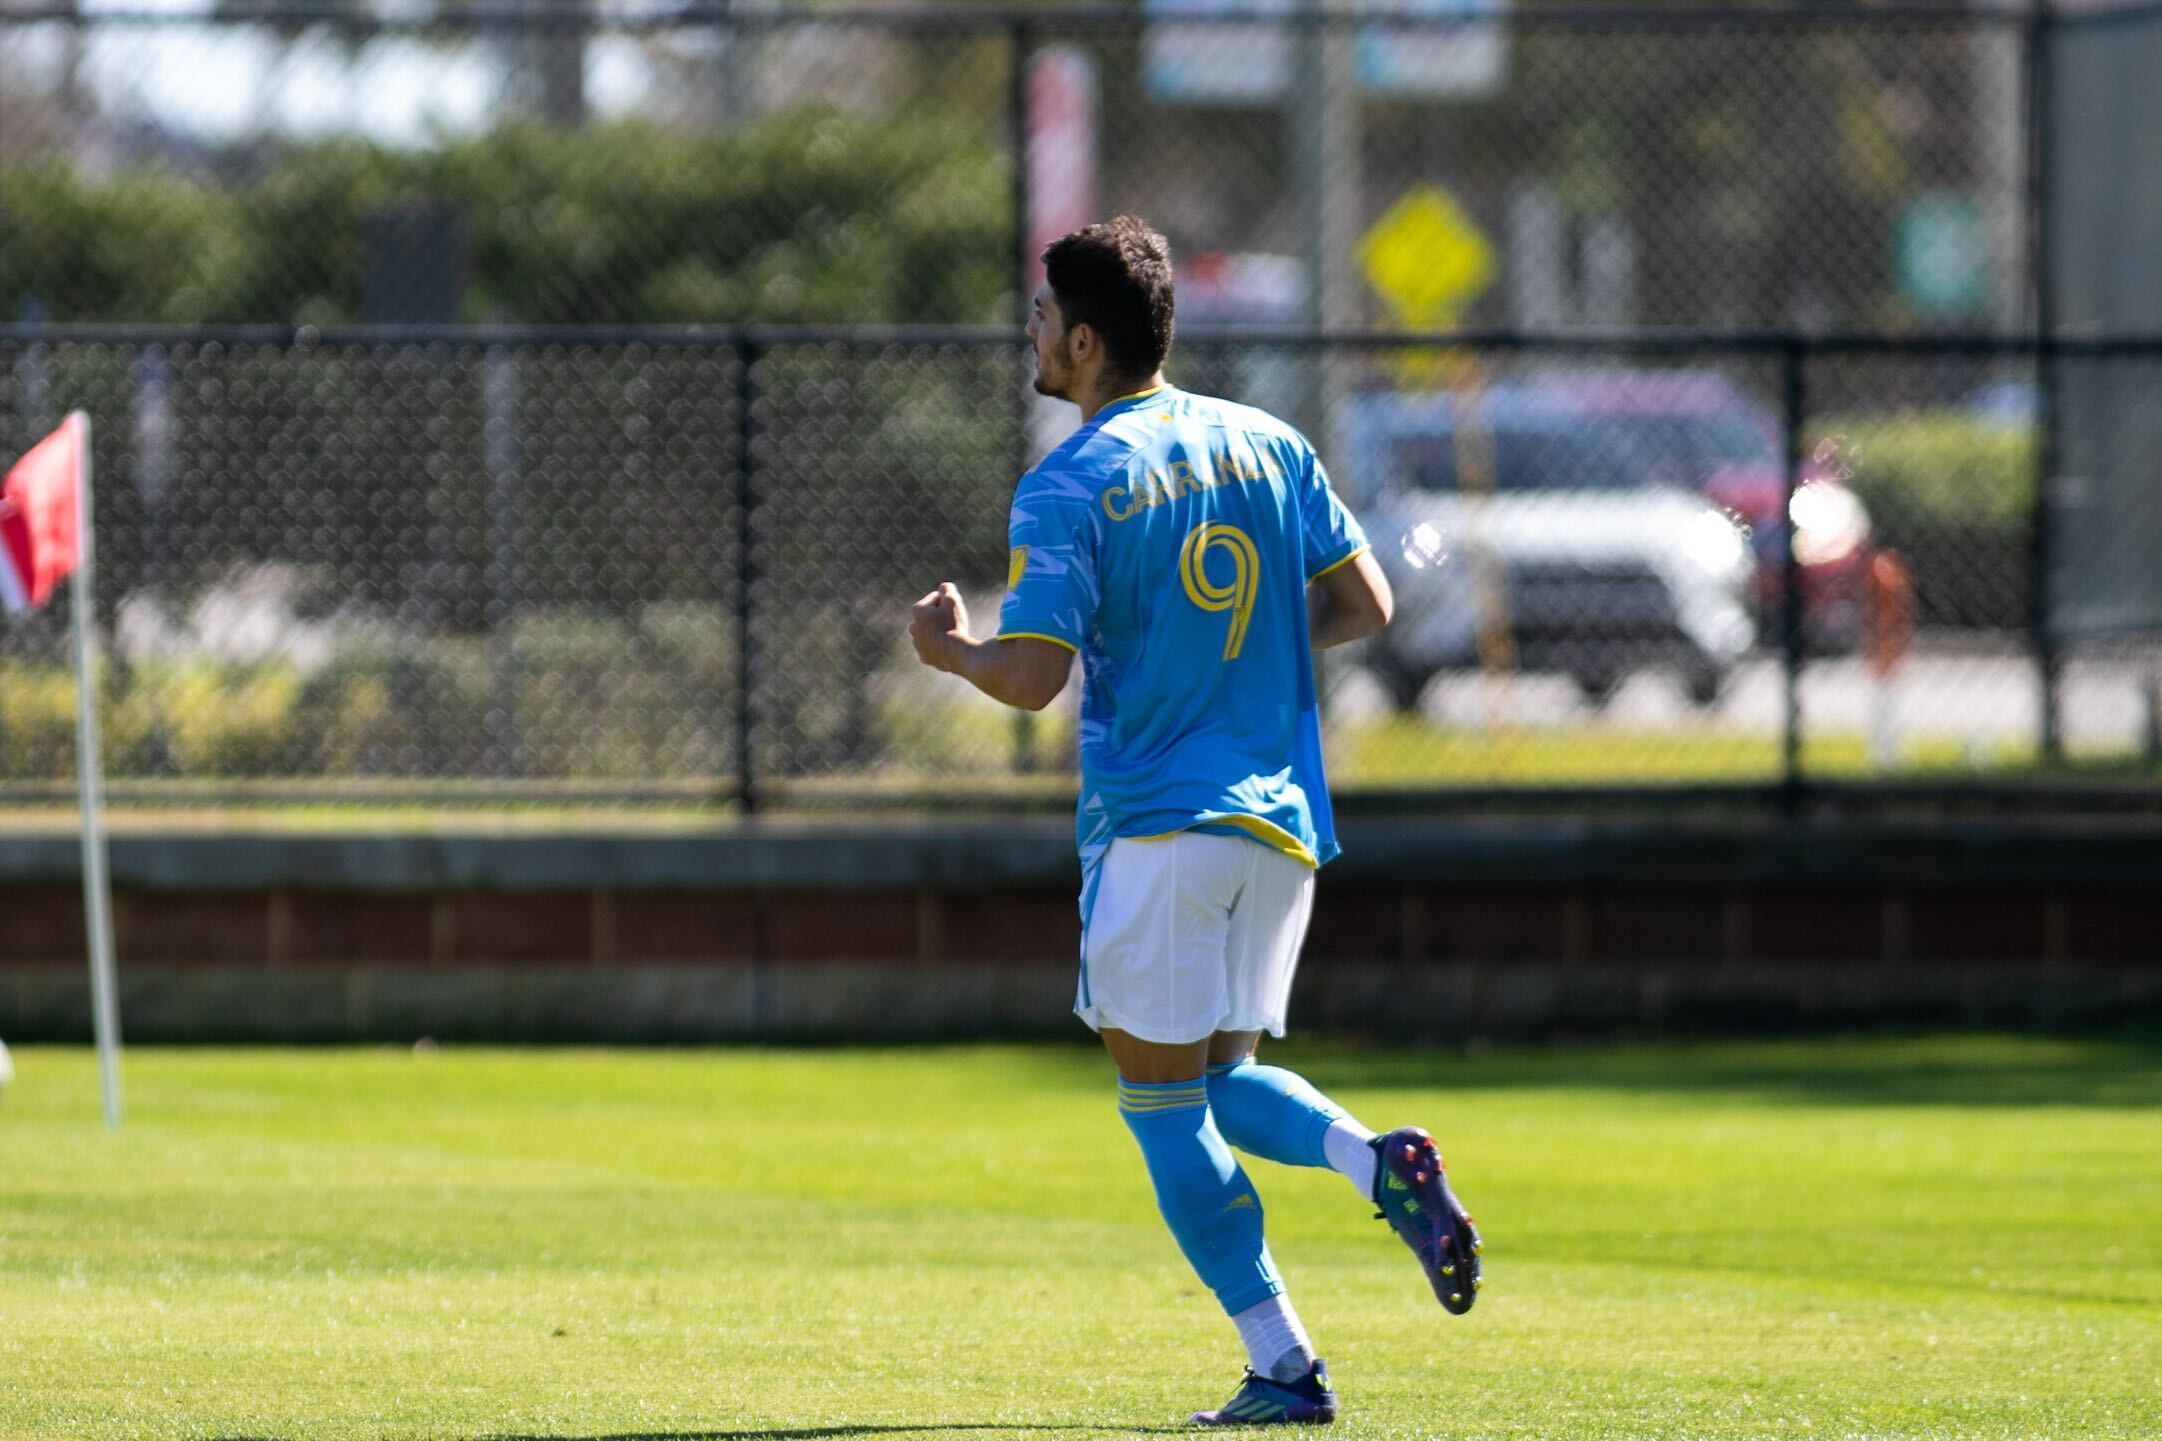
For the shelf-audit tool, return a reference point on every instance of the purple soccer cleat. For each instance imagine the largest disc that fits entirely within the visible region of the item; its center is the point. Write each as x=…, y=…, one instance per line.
x=1411, y=1192
x=1307, y=1401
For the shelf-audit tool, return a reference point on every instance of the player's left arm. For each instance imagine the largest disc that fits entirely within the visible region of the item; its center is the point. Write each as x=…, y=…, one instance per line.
x=1348, y=597
x=1349, y=601
x=1025, y=670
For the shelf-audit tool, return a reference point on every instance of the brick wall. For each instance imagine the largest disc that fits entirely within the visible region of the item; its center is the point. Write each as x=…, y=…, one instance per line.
x=1441, y=932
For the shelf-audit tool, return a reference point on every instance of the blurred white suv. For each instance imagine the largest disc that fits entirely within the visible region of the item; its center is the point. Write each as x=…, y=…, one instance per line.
x=1512, y=513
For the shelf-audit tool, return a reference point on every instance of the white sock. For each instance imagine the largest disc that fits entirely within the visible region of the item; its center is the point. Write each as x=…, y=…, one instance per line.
x=1345, y=1144
x=1276, y=1344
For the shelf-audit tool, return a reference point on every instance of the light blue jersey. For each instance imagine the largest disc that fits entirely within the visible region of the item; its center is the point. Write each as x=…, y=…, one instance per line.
x=1170, y=541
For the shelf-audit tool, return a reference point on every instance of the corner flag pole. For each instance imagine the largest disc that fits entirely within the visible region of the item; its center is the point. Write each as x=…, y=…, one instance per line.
x=97, y=891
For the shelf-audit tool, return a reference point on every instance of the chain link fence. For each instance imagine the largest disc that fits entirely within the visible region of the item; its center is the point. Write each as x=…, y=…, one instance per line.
x=562, y=405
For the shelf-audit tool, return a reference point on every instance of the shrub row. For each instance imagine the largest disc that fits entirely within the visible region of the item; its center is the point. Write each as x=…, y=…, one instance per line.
x=562, y=696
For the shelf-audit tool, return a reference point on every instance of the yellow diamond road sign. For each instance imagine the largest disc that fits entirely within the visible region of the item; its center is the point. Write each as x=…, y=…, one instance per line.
x=1425, y=258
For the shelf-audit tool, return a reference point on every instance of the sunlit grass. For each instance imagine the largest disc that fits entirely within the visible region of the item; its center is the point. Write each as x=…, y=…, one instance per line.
x=1402, y=750
x=1953, y=1238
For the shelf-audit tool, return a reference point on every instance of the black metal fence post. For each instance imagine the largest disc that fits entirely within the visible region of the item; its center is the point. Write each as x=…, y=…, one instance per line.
x=1023, y=39
x=1020, y=38
x=504, y=583
x=1794, y=400
x=2041, y=198
x=747, y=356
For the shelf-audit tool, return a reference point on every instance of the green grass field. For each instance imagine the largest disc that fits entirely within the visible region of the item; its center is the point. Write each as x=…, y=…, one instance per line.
x=1943, y=1238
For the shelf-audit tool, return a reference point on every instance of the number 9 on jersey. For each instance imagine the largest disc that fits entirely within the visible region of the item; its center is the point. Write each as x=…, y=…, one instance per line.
x=1238, y=596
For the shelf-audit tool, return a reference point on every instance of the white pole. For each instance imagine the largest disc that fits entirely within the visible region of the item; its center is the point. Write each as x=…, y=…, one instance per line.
x=1883, y=722
x=97, y=892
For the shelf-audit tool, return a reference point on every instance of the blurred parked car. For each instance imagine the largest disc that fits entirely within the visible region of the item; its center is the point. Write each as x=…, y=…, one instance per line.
x=1702, y=432
x=2010, y=404
x=1523, y=506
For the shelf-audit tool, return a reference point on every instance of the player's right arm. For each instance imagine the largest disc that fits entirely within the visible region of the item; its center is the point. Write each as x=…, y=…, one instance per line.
x=1051, y=589
x=1024, y=671
x=1348, y=602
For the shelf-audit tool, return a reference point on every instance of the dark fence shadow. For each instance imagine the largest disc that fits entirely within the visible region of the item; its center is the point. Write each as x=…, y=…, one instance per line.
x=2120, y=1071
x=823, y=1433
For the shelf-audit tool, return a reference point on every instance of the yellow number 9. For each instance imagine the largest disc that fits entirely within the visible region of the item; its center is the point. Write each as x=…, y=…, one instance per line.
x=1237, y=597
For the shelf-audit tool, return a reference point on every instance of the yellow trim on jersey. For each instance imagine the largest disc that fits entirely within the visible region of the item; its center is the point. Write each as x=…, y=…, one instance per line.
x=1270, y=834
x=1339, y=564
x=1038, y=635
x=1137, y=395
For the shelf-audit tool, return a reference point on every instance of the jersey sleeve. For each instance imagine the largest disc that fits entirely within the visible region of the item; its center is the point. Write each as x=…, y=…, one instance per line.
x=1332, y=533
x=1051, y=582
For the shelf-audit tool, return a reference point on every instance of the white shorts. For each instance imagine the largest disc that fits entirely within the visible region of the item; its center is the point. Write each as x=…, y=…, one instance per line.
x=1190, y=934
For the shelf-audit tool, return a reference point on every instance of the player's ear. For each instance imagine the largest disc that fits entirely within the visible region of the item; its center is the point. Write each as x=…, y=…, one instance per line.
x=1082, y=341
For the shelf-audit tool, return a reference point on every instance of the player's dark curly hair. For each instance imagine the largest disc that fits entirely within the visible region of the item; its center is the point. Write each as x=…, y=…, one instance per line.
x=1116, y=277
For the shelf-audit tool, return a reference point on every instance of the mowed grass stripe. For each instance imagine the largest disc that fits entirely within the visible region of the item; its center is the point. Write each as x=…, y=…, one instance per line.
x=1954, y=1237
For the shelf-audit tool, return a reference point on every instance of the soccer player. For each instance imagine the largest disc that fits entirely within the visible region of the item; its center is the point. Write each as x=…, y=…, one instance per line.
x=1192, y=553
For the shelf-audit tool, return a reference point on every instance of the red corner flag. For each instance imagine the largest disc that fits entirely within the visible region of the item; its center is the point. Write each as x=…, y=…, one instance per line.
x=39, y=545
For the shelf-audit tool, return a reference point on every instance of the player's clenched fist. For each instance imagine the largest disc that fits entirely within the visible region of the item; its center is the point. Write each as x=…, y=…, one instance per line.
x=939, y=624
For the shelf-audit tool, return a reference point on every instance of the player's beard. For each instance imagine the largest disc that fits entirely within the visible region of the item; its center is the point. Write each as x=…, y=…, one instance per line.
x=1050, y=383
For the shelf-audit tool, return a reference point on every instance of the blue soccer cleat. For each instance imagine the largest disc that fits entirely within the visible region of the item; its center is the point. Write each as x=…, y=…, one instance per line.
x=1411, y=1192
x=1307, y=1401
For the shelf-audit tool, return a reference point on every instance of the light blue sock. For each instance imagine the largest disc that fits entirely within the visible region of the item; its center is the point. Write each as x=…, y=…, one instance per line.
x=1203, y=1194
x=1270, y=1112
